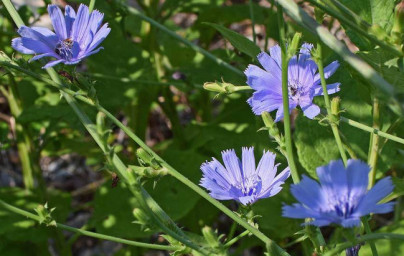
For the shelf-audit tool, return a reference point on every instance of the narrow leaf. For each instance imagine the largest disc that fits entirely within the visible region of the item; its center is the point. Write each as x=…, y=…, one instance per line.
x=239, y=42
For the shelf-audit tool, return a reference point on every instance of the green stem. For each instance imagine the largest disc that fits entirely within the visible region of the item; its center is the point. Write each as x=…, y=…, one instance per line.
x=334, y=127
x=369, y=231
x=168, y=106
x=374, y=145
x=285, y=97
x=89, y=233
x=253, y=20
x=365, y=238
x=234, y=240
x=274, y=132
x=184, y=41
x=398, y=210
x=372, y=130
x=13, y=13
x=91, y=5
x=233, y=229
x=23, y=142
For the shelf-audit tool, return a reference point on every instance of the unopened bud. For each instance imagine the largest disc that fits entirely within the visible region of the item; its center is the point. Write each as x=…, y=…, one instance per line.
x=145, y=158
x=210, y=237
x=335, y=104
x=141, y=216
x=294, y=45
x=398, y=26
x=220, y=87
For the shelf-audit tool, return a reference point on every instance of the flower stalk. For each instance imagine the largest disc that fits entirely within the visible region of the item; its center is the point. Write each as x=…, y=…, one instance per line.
x=318, y=58
x=285, y=98
x=87, y=233
x=374, y=143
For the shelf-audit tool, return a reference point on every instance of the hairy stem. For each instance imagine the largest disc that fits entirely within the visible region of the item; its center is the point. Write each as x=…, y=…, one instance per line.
x=23, y=142
x=334, y=126
x=374, y=145
x=91, y=5
x=369, y=231
x=88, y=233
x=251, y=4
x=285, y=98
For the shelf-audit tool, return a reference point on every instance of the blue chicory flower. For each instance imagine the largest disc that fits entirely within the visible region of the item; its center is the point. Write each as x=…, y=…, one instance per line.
x=342, y=198
x=303, y=82
x=241, y=181
x=76, y=36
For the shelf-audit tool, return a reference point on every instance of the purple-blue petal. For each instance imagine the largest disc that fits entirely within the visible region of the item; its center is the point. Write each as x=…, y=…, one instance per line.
x=99, y=37
x=58, y=21
x=93, y=24
x=70, y=16
x=331, y=89
x=311, y=111
x=35, y=40
x=52, y=63
x=80, y=23
x=270, y=65
x=275, y=52
x=379, y=191
x=328, y=71
x=232, y=164
x=248, y=162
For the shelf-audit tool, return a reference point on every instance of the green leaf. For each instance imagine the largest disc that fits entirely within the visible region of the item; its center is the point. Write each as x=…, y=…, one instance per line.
x=113, y=212
x=240, y=42
x=375, y=12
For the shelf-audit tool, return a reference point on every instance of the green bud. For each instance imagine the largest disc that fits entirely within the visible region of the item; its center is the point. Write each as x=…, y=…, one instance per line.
x=141, y=217
x=144, y=157
x=210, y=237
x=335, y=110
x=294, y=45
x=335, y=104
x=220, y=87
x=148, y=172
x=44, y=214
x=398, y=26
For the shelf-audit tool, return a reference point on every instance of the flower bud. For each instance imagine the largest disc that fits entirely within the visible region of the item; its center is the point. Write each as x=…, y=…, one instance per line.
x=220, y=87
x=294, y=45
x=146, y=159
x=398, y=26
x=210, y=237
x=141, y=216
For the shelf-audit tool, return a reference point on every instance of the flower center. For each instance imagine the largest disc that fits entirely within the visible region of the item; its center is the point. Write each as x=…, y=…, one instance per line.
x=344, y=207
x=249, y=185
x=295, y=89
x=64, y=48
